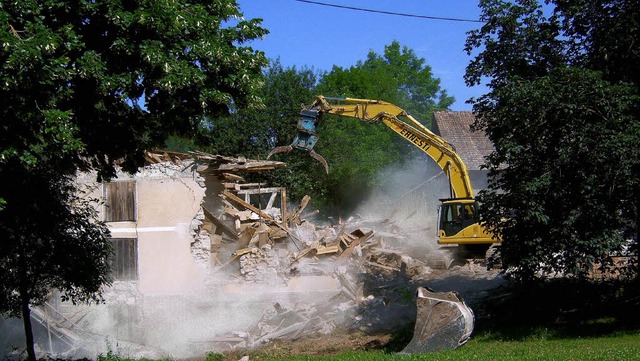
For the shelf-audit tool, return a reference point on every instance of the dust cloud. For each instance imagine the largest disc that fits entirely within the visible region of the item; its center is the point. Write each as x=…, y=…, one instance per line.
x=406, y=202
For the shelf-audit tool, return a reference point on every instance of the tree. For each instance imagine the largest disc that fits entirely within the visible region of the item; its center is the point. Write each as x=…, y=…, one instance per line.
x=563, y=116
x=255, y=131
x=85, y=84
x=357, y=152
x=114, y=77
x=50, y=241
x=398, y=76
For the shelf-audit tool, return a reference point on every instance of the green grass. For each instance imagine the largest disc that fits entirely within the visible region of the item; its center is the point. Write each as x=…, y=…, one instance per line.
x=623, y=346
x=540, y=346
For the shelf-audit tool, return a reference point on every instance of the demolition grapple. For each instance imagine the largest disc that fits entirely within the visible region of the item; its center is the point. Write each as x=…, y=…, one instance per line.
x=307, y=137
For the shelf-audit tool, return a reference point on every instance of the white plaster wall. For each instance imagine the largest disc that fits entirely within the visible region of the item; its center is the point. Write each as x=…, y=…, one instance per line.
x=168, y=198
x=166, y=209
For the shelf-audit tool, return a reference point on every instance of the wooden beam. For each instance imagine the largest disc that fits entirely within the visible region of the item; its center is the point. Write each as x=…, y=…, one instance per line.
x=233, y=177
x=327, y=249
x=283, y=208
x=303, y=204
x=246, y=205
x=271, y=200
x=219, y=224
x=344, y=256
x=260, y=190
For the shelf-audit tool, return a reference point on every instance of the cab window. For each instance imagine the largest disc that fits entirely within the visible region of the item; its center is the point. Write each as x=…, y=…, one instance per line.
x=455, y=217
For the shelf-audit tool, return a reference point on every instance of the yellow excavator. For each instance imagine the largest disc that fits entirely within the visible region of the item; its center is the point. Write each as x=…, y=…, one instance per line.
x=459, y=222
x=443, y=320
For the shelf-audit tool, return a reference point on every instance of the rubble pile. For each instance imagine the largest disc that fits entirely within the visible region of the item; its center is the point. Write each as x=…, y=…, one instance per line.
x=310, y=278
x=368, y=281
x=221, y=264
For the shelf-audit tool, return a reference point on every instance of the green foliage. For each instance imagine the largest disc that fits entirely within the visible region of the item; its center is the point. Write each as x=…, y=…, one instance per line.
x=214, y=357
x=256, y=131
x=356, y=151
x=398, y=76
x=563, y=192
x=104, y=80
x=568, y=182
x=84, y=84
x=50, y=240
x=253, y=132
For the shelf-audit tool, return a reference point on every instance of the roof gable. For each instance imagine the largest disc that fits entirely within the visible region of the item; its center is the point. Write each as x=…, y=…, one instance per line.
x=455, y=128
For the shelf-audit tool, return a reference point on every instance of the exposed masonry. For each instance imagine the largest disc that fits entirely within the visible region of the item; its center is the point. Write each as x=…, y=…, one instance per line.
x=201, y=245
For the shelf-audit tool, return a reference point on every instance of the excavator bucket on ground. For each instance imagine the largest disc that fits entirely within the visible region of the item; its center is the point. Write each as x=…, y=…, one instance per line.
x=443, y=322
x=306, y=138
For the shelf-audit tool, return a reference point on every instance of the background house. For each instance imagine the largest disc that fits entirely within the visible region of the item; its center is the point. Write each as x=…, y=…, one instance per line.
x=472, y=146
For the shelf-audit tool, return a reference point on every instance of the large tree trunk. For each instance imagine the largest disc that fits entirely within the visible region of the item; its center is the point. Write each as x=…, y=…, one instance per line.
x=26, y=318
x=28, y=331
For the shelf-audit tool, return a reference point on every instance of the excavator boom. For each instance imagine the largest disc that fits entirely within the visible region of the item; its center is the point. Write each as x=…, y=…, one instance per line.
x=378, y=111
x=459, y=222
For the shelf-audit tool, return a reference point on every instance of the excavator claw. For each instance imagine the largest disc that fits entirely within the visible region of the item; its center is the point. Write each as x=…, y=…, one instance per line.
x=312, y=153
x=306, y=138
x=320, y=159
x=280, y=149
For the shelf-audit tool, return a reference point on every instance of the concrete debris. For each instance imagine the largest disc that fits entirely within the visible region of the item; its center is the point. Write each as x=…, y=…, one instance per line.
x=237, y=248
x=260, y=265
x=270, y=253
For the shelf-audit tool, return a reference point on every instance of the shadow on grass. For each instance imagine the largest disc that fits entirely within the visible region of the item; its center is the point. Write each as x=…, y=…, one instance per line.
x=559, y=309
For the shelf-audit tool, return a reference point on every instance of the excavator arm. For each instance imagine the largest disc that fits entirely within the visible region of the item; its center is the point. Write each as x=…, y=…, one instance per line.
x=459, y=222
x=378, y=111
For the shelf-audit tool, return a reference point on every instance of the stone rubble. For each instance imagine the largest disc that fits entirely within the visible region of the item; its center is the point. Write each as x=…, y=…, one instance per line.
x=375, y=281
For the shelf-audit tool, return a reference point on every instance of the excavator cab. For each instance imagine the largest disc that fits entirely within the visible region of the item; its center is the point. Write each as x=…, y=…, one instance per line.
x=459, y=222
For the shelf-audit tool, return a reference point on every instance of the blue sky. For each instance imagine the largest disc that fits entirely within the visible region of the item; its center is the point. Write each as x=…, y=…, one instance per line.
x=318, y=37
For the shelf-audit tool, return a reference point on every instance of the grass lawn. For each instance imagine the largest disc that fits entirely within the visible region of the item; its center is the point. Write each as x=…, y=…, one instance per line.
x=620, y=346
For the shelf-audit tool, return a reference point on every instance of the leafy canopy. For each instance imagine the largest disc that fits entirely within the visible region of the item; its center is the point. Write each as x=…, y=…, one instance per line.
x=88, y=83
x=96, y=81
x=255, y=132
x=563, y=116
x=50, y=241
x=357, y=151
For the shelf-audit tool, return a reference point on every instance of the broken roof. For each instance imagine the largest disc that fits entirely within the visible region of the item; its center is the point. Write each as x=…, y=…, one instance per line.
x=455, y=128
x=215, y=163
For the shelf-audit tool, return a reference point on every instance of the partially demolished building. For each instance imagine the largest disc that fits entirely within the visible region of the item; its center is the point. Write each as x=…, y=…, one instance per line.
x=168, y=223
x=205, y=261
